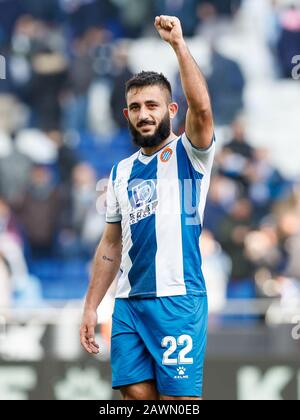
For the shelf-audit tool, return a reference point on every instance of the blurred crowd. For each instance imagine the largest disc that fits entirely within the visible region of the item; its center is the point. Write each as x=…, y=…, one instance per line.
x=60, y=114
x=252, y=226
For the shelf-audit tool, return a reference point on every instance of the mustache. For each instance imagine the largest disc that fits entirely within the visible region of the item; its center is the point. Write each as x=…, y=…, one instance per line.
x=145, y=122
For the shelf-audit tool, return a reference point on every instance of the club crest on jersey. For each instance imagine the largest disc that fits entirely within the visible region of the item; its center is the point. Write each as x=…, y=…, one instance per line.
x=166, y=155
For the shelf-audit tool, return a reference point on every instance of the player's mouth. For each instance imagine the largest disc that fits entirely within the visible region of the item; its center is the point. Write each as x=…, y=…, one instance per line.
x=145, y=125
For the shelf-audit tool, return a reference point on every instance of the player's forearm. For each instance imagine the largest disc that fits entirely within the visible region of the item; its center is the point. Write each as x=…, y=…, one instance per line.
x=193, y=81
x=105, y=268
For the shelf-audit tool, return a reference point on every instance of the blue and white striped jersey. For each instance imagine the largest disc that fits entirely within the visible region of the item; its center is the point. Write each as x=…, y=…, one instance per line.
x=160, y=200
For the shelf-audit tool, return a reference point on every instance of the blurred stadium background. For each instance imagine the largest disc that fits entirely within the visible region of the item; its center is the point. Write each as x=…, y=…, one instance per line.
x=61, y=130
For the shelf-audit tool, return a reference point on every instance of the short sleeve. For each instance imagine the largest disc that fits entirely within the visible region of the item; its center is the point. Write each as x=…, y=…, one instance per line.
x=201, y=159
x=113, y=214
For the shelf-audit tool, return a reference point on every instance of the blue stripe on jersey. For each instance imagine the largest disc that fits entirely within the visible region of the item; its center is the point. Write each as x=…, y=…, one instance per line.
x=190, y=189
x=142, y=275
x=114, y=173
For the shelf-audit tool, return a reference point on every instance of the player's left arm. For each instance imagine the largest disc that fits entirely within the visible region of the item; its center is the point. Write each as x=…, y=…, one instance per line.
x=199, y=119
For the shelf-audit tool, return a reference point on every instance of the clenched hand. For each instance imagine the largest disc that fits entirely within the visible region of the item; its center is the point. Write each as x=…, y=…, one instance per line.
x=169, y=28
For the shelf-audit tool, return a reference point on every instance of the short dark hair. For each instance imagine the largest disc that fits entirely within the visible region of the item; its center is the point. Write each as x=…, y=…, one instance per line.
x=148, y=78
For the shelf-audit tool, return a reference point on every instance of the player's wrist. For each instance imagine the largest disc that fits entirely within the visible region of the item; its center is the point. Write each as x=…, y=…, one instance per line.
x=179, y=45
x=90, y=307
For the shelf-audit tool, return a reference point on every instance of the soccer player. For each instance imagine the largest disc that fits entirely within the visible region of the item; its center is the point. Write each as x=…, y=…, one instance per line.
x=155, y=205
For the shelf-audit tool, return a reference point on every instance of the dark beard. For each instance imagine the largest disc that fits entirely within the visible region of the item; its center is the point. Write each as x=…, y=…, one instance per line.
x=162, y=133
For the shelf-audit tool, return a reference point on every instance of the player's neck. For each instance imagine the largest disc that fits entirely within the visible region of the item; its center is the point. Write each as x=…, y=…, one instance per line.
x=151, y=150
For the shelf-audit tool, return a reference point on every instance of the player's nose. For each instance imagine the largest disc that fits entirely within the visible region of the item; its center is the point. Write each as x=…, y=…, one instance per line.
x=143, y=115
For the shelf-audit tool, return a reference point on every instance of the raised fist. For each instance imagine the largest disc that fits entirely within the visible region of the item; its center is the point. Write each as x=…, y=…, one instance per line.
x=169, y=28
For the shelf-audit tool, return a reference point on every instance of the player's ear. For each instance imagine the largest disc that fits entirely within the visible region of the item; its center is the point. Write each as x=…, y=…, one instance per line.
x=173, y=109
x=125, y=113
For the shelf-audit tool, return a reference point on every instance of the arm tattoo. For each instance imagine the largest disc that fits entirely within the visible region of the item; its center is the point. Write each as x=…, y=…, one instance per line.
x=105, y=258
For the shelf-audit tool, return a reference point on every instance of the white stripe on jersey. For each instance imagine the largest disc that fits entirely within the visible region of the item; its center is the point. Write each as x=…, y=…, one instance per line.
x=169, y=266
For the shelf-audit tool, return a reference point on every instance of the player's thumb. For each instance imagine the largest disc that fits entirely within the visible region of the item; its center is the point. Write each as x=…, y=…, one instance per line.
x=91, y=333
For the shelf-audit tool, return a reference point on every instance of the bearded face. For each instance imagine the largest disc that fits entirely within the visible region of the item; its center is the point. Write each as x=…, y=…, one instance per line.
x=161, y=133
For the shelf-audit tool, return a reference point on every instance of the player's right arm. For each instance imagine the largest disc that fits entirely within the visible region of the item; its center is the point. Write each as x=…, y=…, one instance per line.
x=105, y=268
